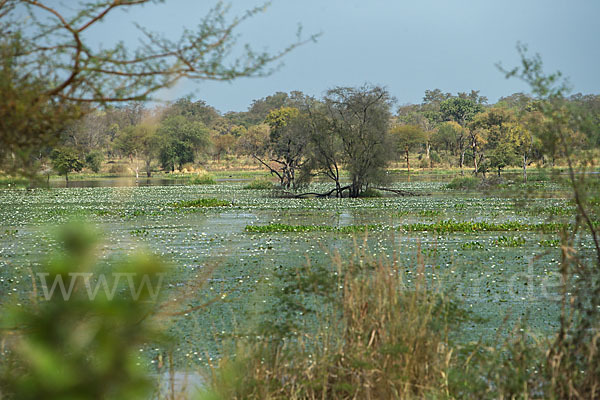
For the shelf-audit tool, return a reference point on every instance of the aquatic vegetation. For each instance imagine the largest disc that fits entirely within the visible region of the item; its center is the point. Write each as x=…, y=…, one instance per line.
x=473, y=245
x=204, y=202
x=438, y=227
x=549, y=242
x=510, y=241
x=139, y=232
x=429, y=213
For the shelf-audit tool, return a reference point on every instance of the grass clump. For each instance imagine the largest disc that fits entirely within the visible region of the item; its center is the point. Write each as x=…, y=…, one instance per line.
x=202, y=179
x=259, y=184
x=464, y=183
x=206, y=202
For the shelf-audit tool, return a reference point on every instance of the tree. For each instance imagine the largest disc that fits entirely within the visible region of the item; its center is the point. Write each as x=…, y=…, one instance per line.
x=193, y=111
x=221, y=144
x=360, y=117
x=527, y=146
x=139, y=141
x=453, y=136
x=489, y=131
x=48, y=71
x=65, y=160
x=93, y=160
x=408, y=137
x=288, y=139
x=180, y=140
x=460, y=109
x=325, y=148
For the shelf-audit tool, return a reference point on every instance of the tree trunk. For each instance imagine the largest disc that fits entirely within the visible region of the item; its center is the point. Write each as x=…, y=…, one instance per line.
x=462, y=162
x=475, y=162
x=524, y=168
x=407, y=161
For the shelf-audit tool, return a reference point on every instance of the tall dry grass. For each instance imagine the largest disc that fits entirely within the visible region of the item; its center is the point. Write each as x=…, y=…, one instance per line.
x=384, y=337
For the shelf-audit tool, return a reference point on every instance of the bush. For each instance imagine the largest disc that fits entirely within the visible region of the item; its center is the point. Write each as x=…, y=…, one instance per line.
x=118, y=169
x=259, y=184
x=203, y=179
x=370, y=193
x=94, y=161
x=86, y=347
x=464, y=183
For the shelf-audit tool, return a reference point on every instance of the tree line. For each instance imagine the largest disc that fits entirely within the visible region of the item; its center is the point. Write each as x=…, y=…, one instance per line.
x=298, y=137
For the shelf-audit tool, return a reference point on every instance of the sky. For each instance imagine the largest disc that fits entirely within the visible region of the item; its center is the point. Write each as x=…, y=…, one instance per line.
x=406, y=46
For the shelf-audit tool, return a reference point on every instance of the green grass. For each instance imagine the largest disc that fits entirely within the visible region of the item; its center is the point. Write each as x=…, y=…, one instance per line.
x=207, y=202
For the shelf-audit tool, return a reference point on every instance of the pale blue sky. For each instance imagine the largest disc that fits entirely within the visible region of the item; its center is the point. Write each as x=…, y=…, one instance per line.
x=407, y=46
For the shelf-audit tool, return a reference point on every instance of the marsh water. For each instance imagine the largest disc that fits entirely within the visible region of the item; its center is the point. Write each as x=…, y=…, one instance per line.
x=500, y=281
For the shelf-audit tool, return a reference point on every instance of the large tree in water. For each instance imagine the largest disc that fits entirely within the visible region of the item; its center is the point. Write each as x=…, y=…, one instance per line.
x=361, y=118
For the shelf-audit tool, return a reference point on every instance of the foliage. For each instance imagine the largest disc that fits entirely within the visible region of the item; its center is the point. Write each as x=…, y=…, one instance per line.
x=180, y=140
x=460, y=110
x=408, y=137
x=94, y=160
x=360, y=117
x=82, y=347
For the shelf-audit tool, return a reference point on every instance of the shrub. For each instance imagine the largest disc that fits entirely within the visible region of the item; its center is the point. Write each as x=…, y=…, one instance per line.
x=370, y=192
x=259, y=184
x=94, y=160
x=117, y=169
x=202, y=179
x=464, y=183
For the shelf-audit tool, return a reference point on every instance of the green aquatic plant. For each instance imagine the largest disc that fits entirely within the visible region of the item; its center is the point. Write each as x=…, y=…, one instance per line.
x=205, y=202
x=507, y=241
